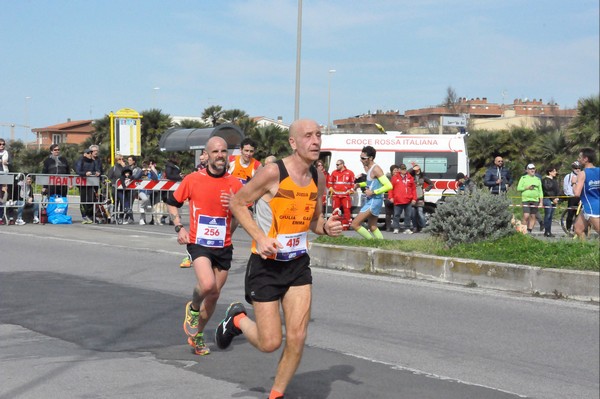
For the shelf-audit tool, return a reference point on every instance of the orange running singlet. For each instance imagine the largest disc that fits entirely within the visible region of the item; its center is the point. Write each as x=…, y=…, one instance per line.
x=288, y=215
x=243, y=173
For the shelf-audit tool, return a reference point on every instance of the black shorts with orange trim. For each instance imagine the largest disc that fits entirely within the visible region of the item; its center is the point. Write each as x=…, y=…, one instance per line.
x=268, y=280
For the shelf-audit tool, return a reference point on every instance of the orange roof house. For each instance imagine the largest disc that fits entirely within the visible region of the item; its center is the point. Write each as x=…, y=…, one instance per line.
x=70, y=132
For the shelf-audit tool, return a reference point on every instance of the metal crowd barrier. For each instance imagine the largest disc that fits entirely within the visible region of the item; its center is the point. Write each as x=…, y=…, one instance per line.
x=9, y=195
x=70, y=186
x=144, y=198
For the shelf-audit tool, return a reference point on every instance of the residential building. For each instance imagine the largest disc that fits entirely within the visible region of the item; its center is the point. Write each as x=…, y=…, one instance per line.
x=489, y=116
x=372, y=123
x=70, y=132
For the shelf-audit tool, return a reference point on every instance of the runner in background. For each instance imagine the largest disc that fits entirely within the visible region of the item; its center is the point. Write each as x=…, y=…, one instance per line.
x=244, y=166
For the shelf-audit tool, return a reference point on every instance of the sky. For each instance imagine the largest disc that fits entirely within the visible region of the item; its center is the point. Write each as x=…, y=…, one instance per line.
x=82, y=59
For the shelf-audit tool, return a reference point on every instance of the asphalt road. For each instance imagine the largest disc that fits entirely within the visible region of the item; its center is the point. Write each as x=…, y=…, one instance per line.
x=95, y=311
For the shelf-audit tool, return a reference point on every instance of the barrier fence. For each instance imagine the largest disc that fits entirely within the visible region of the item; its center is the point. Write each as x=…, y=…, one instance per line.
x=105, y=201
x=115, y=202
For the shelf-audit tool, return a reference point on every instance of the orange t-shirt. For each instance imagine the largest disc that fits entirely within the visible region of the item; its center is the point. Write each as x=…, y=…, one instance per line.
x=210, y=222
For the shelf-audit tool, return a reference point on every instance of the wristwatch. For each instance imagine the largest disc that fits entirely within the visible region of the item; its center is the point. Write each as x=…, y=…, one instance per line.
x=178, y=227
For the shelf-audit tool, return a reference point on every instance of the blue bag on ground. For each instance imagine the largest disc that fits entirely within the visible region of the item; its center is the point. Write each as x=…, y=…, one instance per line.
x=57, y=210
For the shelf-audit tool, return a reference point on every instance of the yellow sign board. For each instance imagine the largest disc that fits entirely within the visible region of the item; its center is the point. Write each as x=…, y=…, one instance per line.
x=125, y=133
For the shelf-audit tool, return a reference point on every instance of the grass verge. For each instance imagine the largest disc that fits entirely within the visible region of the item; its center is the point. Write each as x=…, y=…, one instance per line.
x=515, y=248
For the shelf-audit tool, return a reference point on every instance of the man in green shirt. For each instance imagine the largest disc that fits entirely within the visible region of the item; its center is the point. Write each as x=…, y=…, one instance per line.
x=530, y=187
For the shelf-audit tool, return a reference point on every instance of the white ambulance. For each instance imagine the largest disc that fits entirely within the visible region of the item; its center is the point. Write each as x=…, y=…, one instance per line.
x=441, y=157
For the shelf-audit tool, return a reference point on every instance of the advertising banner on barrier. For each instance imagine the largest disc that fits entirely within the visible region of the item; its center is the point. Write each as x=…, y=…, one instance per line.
x=67, y=180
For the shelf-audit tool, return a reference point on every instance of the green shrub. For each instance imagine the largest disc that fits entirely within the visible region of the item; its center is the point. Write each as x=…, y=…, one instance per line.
x=471, y=218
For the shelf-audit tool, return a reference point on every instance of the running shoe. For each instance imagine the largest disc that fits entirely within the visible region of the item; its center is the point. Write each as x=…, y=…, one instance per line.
x=190, y=322
x=20, y=222
x=36, y=220
x=226, y=330
x=197, y=342
x=186, y=262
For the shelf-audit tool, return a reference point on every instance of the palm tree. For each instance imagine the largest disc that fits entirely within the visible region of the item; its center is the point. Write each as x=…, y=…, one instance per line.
x=248, y=126
x=584, y=129
x=483, y=146
x=213, y=114
x=271, y=140
x=233, y=115
x=550, y=149
x=191, y=124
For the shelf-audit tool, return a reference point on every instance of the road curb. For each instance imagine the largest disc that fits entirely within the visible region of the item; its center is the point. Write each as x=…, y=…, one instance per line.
x=578, y=285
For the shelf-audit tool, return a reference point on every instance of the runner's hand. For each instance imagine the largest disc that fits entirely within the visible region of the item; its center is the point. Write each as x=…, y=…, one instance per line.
x=333, y=225
x=267, y=247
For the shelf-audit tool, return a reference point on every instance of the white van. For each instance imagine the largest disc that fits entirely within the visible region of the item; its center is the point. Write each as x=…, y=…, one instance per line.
x=441, y=157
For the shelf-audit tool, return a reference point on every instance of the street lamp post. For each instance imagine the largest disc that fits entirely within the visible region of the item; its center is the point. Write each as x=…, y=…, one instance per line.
x=331, y=71
x=155, y=91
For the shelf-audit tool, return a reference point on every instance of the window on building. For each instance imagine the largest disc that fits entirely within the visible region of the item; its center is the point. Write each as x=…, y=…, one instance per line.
x=56, y=139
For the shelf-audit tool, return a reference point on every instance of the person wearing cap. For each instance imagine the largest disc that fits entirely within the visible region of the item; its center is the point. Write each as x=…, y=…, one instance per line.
x=56, y=164
x=588, y=190
x=497, y=177
x=569, y=183
x=530, y=187
x=87, y=167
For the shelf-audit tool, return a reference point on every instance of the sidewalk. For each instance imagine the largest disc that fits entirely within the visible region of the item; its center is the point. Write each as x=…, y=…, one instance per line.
x=530, y=280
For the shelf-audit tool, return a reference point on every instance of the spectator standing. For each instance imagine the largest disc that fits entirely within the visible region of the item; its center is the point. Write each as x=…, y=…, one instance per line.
x=26, y=200
x=341, y=187
x=86, y=167
x=588, y=189
x=130, y=193
x=146, y=197
x=209, y=238
x=551, y=190
x=376, y=185
x=278, y=273
x=244, y=166
x=173, y=173
x=114, y=175
x=3, y=201
x=404, y=195
x=530, y=187
x=4, y=157
x=423, y=184
x=497, y=177
x=569, y=183
x=388, y=202
x=56, y=164
x=96, y=158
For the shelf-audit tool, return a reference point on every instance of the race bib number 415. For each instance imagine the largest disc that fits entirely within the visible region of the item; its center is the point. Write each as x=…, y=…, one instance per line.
x=211, y=231
x=294, y=246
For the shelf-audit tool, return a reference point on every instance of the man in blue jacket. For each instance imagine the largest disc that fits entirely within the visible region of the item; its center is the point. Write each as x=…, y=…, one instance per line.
x=497, y=177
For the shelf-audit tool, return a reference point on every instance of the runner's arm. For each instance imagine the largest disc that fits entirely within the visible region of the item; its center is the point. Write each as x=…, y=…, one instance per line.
x=578, y=189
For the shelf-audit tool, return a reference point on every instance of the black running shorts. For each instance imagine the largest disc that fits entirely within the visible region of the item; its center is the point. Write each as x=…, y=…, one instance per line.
x=219, y=257
x=268, y=279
